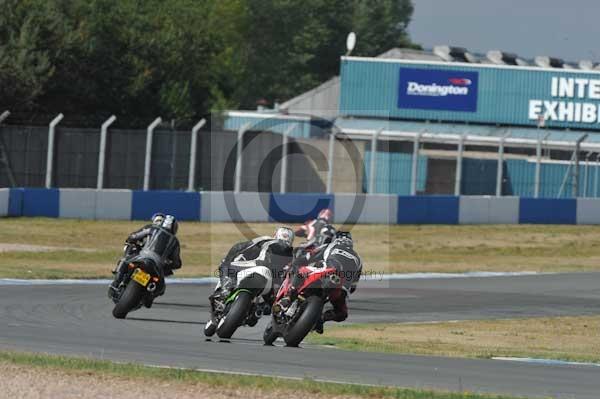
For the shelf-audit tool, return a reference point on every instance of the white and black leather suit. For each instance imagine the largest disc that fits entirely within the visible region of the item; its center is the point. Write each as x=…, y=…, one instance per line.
x=261, y=251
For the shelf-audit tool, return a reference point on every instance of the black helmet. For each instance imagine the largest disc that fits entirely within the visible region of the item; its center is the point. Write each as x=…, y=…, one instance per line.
x=170, y=224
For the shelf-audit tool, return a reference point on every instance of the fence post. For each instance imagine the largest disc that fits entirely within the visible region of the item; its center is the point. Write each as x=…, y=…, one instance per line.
x=330, y=162
x=459, y=161
x=50, y=155
x=102, y=151
x=193, y=149
x=149, y=137
x=500, y=167
x=576, y=174
x=596, y=177
x=284, y=154
x=373, y=173
x=538, y=168
x=415, y=164
x=239, y=160
x=585, y=174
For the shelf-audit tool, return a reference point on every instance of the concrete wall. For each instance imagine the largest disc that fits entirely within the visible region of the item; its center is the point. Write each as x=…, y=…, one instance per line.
x=218, y=206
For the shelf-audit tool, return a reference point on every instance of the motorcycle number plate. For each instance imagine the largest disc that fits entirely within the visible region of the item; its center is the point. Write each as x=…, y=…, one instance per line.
x=141, y=277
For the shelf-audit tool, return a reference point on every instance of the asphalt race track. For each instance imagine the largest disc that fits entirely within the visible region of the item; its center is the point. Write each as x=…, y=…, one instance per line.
x=76, y=320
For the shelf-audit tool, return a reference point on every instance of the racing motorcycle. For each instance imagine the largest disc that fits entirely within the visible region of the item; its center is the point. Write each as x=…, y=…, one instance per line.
x=141, y=283
x=243, y=305
x=294, y=321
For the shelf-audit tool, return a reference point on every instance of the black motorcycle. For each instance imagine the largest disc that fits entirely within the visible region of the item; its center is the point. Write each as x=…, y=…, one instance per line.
x=141, y=282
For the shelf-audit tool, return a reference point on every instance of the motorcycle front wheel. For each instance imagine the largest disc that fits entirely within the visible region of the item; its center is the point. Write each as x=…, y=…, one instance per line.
x=236, y=315
x=305, y=323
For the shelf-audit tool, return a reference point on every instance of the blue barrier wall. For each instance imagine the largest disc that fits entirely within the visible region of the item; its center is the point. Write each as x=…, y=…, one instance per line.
x=427, y=210
x=40, y=202
x=548, y=211
x=182, y=205
x=296, y=208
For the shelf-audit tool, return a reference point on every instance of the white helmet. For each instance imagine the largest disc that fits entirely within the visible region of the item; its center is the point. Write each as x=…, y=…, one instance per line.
x=284, y=234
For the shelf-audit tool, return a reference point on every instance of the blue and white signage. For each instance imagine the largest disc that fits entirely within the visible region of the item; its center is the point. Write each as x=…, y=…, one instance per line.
x=446, y=90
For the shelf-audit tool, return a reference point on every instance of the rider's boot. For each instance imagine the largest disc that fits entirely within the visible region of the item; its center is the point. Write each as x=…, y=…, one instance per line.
x=319, y=326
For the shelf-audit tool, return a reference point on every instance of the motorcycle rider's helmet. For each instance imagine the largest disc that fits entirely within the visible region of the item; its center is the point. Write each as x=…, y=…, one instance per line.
x=158, y=218
x=284, y=234
x=326, y=214
x=170, y=224
x=344, y=238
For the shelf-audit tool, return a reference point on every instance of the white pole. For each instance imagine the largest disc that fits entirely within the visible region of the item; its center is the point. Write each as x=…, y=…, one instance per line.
x=50, y=155
x=239, y=160
x=585, y=174
x=459, y=159
x=193, y=149
x=102, y=151
x=284, y=161
x=373, y=174
x=415, y=159
x=149, y=137
x=538, y=168
x=500, y=171
x=596, y=179
x=330, y=162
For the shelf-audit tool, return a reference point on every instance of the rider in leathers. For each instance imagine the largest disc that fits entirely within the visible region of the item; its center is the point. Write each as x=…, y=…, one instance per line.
x=318, y=231
x=340, y=255
x=272, y=252
x=161, y=247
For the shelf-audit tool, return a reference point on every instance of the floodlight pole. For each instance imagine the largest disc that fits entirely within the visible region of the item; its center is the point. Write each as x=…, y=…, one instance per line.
x=330, y=162
x=193, y=152
x=372, y=172
x=102, y=151
x=239, y=158
x=284, y=160
x=149, y=138
x=415, y=164
x=50, y=154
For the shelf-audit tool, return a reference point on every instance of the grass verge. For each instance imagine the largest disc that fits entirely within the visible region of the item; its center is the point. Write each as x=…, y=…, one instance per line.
x=89, y=249
x=558, y=338
x=217, y=380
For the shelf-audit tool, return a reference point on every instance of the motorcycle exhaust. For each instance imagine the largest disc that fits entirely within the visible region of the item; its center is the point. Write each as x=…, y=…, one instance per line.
x=151, y=287
x=258, y=313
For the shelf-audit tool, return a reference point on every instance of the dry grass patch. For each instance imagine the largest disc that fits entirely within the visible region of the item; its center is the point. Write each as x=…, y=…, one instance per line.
x=564, y=338
x=24, y=375
x=87, y=249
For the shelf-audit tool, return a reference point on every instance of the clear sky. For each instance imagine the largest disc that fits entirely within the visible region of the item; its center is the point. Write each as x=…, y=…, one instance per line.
x=567, y=29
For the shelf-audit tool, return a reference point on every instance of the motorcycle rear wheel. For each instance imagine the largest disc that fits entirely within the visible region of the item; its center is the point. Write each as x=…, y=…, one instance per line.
x=236, y=315
x=129, y=300
x=305, y=323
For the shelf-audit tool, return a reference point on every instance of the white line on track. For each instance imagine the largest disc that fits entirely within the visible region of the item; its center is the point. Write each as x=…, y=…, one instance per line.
x=545, y=362
x=213, y=280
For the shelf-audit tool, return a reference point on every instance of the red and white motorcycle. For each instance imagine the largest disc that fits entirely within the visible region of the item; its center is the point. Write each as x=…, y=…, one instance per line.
x=295, y=321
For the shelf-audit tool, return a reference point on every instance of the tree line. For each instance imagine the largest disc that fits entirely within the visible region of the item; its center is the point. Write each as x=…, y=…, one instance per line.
x=180, y=59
